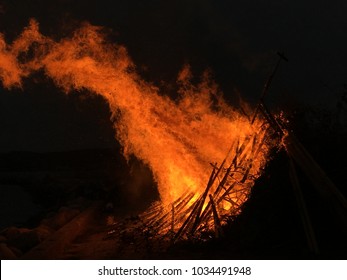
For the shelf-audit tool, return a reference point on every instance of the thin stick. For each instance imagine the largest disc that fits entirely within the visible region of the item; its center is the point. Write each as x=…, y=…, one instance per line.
x=217, y=223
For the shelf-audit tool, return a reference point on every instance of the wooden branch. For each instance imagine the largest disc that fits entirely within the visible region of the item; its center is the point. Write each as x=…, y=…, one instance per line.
x=217, y=223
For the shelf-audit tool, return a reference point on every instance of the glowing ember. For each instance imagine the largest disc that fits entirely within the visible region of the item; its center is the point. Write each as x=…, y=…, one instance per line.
x=177, y=139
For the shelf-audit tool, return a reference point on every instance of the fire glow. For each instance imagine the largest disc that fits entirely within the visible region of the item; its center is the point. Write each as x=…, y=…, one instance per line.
x=177, y=139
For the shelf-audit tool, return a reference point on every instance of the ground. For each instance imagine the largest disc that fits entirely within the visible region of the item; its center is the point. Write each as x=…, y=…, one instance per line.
x=83, y=198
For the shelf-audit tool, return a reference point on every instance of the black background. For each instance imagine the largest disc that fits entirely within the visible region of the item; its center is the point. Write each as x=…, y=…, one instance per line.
x=236, y=40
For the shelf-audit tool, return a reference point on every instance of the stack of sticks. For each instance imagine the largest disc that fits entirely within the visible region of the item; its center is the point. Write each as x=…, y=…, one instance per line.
x=228, y=187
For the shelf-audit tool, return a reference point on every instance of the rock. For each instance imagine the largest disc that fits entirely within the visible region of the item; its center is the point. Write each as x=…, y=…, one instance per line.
x=6, y=253
x=43, y=232
x=8, y=231
x=13, y=232
x=63, y=216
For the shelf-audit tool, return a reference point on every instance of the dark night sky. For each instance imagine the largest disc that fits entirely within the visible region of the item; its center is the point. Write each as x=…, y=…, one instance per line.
x=237, y=40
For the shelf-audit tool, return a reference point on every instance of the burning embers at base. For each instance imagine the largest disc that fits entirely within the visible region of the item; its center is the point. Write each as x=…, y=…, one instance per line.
x=177, y=139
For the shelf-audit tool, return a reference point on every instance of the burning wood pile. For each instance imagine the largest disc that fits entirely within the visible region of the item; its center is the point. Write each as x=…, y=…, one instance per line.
x=230, y=183
x=229, y=186
x=176, y=138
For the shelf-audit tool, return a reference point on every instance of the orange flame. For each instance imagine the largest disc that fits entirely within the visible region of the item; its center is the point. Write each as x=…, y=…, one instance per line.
x=177, y=139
